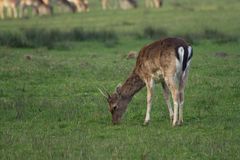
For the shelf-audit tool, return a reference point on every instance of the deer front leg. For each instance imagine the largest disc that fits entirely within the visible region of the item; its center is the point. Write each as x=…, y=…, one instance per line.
x=149, y=85
x=175, y=95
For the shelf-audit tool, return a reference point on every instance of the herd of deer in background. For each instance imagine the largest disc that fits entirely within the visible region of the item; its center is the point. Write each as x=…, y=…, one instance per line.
x=18, y=8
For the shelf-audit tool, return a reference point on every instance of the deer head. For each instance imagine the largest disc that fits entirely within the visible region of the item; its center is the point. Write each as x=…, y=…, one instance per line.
x=117, y=104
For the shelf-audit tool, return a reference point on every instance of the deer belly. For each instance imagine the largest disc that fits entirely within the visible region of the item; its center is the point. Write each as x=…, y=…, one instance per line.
x=157, y=76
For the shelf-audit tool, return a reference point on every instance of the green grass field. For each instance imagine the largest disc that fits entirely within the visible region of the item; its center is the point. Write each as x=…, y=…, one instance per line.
x=51, y=67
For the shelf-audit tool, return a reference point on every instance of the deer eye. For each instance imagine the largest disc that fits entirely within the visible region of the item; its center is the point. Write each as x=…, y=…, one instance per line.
x=114, y=107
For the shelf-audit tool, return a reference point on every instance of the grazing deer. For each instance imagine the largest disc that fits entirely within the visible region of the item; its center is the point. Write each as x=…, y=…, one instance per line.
x=153, y=3
x=41, y=7
x=81, y=5
x=45, y=8
x=124, y=4
x=128, y=4
x=70, y=5
x=167, y=61
x=11, y=6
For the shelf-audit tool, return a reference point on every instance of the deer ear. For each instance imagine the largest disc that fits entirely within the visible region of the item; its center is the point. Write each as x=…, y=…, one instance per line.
x=118, y=88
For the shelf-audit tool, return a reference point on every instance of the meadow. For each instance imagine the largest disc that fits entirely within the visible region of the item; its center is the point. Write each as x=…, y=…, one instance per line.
x=52, y=66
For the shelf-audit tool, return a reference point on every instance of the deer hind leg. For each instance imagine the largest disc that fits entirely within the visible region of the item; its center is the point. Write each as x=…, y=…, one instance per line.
x=166, y=95
x=103, y=5
x=149, y=85
x=181, y=98
x=156, y=3
x=181, y=95
x=79, y=5
x=172, y=85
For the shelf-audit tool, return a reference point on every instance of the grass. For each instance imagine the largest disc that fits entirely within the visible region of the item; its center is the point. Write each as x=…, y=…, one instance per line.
x=50, y=107
x=40, y=37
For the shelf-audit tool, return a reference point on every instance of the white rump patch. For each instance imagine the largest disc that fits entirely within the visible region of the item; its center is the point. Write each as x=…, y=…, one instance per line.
x=181, y=53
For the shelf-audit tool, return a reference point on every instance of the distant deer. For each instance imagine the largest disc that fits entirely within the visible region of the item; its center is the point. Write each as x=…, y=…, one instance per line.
x=41, y=7
x=167, y=61
x=128, y=4
x=153, y=3
x=45, y=8
x=81, y=5
x=123, y=4
x=105, y=4
x=11, y=7
x=70, y=5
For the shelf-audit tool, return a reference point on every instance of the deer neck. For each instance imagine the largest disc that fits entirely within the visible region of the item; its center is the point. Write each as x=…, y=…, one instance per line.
x=131, y=86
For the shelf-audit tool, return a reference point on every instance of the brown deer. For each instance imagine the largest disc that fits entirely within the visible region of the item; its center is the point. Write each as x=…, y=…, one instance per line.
x=123, y=4
x=40, y=7
x=11, y=6
x=166, y=61
x=81, y=5
x=68, y=4
x=128, y=4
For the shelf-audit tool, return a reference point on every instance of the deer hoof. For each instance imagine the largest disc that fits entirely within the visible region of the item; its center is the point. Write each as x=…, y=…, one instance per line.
x=174, y=124
x=180, y=122
x=146, y=123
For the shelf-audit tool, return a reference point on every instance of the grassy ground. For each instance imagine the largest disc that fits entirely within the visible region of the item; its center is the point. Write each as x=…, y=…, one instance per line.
x=51, y=67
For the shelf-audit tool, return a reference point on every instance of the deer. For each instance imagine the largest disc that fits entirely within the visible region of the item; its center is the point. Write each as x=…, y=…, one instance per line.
x=123, y=4
x=11, y=6
x=166, y=61
x=68, y=4
x=128, y=4
x=81, y=5
x=153, y=3
x=40, y=7
x=105, y=4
